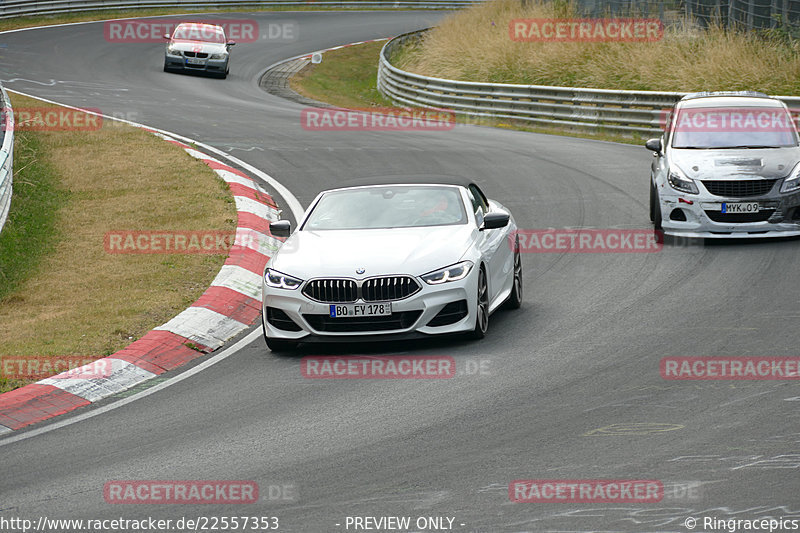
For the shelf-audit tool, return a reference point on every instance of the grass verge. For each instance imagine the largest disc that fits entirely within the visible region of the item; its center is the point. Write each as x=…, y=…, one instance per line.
x=347, y=78
x=474, y=44
x=61, y=293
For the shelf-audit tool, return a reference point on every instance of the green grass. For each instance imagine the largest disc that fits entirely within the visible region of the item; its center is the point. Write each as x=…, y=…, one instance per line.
x=346, y=78
x=30, y=233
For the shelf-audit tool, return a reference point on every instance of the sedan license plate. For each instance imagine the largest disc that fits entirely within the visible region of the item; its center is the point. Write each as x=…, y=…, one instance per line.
x=353, y=310
x=739, y=207
x=195, y=61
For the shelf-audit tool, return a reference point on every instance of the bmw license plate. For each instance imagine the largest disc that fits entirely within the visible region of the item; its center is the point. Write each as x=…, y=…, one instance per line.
x=354, y=310
x=195, y=61
x=739, y=207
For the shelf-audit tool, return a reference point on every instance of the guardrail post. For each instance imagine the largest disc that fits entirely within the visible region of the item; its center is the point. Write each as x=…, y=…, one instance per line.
x=6, y=157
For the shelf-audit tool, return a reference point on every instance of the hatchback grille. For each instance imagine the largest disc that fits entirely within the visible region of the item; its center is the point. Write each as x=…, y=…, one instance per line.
x=401, y=320
x=383, y=289
x=739, y=188
x=740, y=218
x=388, y=288
x=332, y=290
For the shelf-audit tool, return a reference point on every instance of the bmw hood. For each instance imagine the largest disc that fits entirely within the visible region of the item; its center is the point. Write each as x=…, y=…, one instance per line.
x=198, y=46
x=339, y=253
x=768, y=163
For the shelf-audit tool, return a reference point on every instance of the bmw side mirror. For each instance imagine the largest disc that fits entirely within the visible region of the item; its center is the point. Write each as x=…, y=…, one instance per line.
x=495, y=220
x=280, y=228
x=231, y=43
x=654, y=145
x=166, y=36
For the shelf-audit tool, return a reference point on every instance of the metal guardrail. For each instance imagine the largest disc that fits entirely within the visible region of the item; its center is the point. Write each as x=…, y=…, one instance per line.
x=6, y=156
x=625, y=112
x=20, y=8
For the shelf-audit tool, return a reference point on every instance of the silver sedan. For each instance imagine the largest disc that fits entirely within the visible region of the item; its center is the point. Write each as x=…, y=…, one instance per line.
x=197, y=47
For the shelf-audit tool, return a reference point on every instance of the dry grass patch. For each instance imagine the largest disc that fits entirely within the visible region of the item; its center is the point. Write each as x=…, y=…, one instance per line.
x=81, y=300
x=474, y=45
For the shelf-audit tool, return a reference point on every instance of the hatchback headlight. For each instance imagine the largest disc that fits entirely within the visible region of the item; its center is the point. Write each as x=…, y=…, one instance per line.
x=681, y=183
x=792, y=183
x=451, y=273
x=279, y=280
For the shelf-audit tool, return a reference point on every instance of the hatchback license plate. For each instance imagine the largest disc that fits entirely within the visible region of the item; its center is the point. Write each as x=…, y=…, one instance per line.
x=740, y=207
x=353, y=310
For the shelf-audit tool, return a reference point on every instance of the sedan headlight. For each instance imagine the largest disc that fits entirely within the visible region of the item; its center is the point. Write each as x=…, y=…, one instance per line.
x=681, y=183
x=219, y=56
x=451, y=273
x=279, y=280
x=173, y=50
x=792, y=183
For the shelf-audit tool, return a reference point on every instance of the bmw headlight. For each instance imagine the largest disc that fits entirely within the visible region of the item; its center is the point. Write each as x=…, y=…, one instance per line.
x=451, y=273
x=681, y=183
x=218, y=56
x=173, y=50
x=279, y=280
x=792, y=183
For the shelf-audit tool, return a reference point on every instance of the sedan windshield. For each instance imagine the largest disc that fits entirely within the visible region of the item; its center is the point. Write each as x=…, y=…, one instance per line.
x=399, y=206
x=744, y=127
x=206, y=34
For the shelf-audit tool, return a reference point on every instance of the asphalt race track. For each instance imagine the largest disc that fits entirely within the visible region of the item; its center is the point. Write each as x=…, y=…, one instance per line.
x=570, y=386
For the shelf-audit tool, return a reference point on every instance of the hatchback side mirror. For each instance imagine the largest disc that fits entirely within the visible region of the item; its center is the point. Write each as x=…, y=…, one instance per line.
x=654, y=145
x=495, y=220
x=280, y=228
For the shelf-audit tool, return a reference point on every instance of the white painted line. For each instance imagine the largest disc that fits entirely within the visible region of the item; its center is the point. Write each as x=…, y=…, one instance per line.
x=232, y=177
x=252, y=336
x=240, y=280
x=4, y=430
x=203, y=326
x=248, y=205
x=124, y=375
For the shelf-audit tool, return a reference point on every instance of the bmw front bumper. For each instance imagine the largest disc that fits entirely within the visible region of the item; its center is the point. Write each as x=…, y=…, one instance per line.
x=310, y=321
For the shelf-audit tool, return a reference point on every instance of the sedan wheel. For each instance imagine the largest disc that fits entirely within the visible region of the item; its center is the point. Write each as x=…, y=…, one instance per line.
x=482, y=319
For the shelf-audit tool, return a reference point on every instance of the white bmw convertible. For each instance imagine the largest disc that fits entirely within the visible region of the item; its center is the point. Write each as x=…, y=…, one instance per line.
x=391, y=258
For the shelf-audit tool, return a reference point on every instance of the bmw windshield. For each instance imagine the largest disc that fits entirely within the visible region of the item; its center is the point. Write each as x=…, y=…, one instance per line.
x=392, y=206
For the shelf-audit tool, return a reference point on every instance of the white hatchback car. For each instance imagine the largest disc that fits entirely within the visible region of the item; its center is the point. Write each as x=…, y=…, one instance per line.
x=392, y=258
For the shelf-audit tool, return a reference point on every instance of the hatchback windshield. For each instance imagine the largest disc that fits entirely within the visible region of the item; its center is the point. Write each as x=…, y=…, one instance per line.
x=206, y=34
x=733, y=127
x=399, y=206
